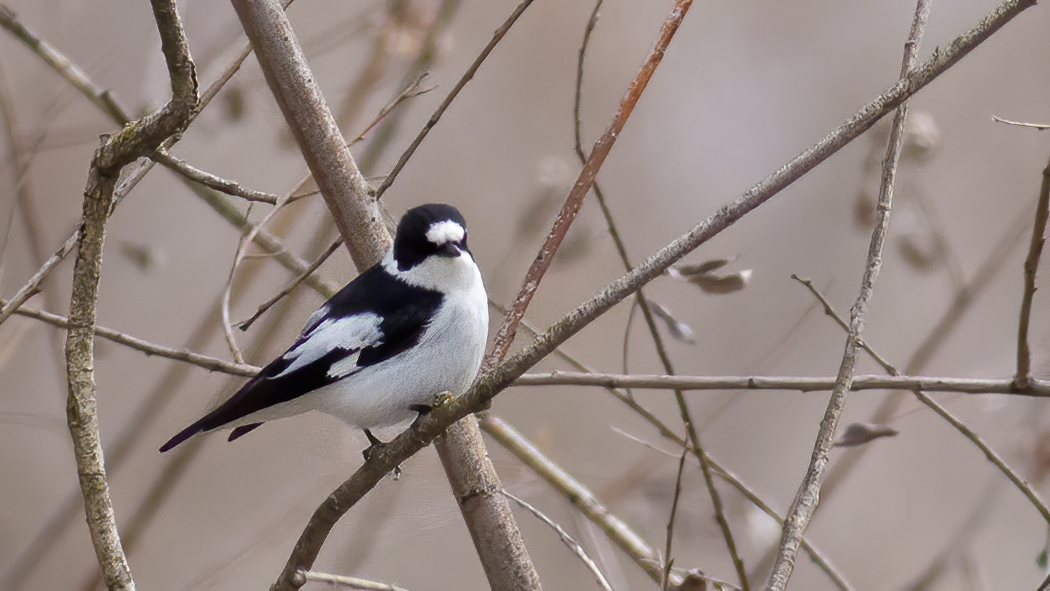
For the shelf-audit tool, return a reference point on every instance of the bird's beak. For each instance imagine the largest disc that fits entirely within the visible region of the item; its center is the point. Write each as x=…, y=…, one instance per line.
x=450, y=250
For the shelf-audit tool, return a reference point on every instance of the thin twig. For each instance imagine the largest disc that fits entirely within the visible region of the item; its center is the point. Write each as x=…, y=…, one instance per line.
x=1039, y=126
x=411, y=91
x=209, y=180
x=207, y=362
x=668, y=560
x=237, y=258
x=937, y=336
x=489, y=385
x=647, y=313
x=1037, y=387
x=969, y=433
x=68, y=70
x=338, y=581
x=566, y=539
x=295, y=282
x=808, y=496
x=32, y=286
x=497, y=36
x=576, y=493
x=601, y=149
x=830, y=311
x=1031, y=267
x=818, y=557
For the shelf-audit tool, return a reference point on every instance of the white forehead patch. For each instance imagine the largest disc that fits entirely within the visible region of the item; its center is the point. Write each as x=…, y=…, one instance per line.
x=445, y=232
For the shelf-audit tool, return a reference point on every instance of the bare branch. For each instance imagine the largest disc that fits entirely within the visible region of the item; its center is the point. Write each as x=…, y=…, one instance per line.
x=576, y=493
x=32, y=286
x=137, y=139
x=992, y=456
x=209, y=180
x=208, y=363
x=1039, y=126
x=668, y=560
x=67, y=69
x=808, y=496
x=601, y=150
x=573, y=545
x=1037, y=387
x=647, y=313
x=497, y=36
x=322, y=145
x=1031, y=267
x=287, y=289
x=341, y=581
x=360, y=223
x=489, y=385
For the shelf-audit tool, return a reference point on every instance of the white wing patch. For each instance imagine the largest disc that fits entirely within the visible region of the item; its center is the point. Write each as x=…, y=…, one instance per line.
x=445, y=232
x=314, y=319
x=348, y=334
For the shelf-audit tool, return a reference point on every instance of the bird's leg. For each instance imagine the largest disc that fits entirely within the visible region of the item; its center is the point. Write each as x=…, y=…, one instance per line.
x=425, y=409
x=375, y=443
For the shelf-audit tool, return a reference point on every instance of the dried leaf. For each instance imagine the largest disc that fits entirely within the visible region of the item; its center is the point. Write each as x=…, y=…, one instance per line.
x=694, y=580
x=861, y=433
x=703, y=275
x=720, y=284
x=864, y=210
x=677, y=329
x=688, y=270
x=920, y=256
x=576, y=245
x=922, y=137
x=145, y=257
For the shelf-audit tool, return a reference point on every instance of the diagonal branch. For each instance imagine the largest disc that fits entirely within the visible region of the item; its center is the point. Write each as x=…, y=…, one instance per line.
x=489, y=385
x=497, y=36
x=599, y=152
x=647, y=314
x=919, y=388
x=808, y=496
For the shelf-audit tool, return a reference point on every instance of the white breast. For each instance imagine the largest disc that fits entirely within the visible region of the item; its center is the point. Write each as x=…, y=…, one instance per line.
x=446, y=359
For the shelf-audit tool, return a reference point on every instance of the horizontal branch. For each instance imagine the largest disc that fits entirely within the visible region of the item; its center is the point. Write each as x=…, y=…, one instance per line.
x=486, y=387
x=205, y=361
x=1037, y=387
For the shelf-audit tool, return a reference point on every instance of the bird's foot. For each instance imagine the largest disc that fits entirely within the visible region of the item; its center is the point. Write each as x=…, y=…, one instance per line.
x=375, y=444
x=425, y=409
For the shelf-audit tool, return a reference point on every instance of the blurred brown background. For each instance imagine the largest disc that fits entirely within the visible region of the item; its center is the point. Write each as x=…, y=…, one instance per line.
x=744, y=87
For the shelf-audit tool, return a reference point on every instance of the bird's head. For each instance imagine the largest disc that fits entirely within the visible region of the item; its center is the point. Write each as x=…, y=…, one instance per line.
x=430, y=246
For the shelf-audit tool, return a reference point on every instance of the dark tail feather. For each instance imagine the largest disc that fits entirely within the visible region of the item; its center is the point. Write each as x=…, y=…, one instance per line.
x=183, y=436
x=242, y=430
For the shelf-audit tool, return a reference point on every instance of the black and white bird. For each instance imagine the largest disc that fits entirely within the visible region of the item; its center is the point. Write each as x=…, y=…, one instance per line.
x=383, y=349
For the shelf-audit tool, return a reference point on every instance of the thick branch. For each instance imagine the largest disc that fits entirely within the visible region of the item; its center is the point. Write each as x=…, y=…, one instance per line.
x=323, y=147
x=81, y=412
x=601, y=149
x=479, y=395
x=488, y=516
x=137, y=139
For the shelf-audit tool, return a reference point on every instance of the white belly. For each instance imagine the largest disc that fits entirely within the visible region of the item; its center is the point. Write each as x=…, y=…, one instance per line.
x=445, y=360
